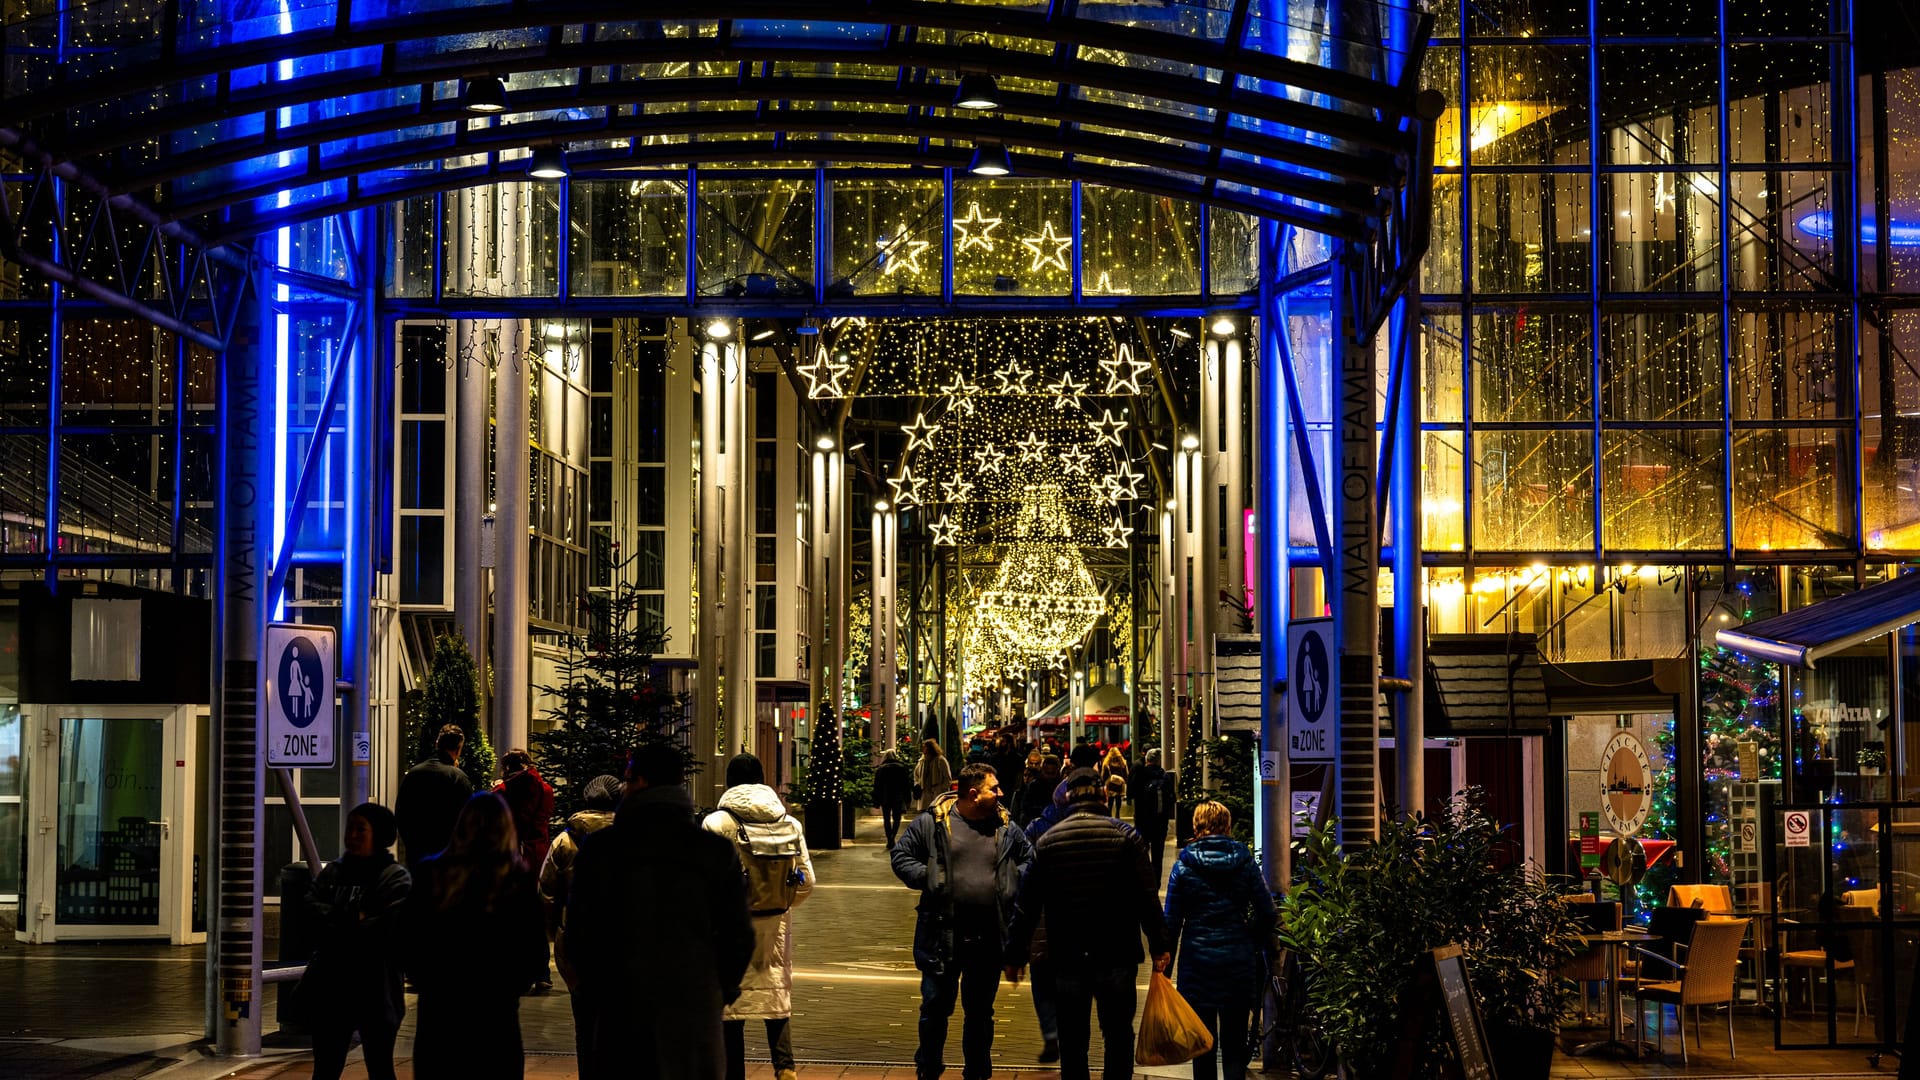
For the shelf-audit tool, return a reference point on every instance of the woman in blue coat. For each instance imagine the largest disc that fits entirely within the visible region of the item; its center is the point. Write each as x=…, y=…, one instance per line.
x=1220, y=917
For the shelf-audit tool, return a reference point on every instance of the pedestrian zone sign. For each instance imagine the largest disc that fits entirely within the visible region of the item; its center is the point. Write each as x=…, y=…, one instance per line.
x=299, y=695
x=1310, y=690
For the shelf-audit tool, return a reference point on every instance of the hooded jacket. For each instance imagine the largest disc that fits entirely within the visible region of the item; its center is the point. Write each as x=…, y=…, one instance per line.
x=1220, y=917
x=353, y=979
x=766, y=990
x=921, y=862
x=556, y=877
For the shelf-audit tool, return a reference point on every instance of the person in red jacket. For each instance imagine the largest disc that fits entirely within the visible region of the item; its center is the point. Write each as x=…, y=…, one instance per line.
x=530, y=798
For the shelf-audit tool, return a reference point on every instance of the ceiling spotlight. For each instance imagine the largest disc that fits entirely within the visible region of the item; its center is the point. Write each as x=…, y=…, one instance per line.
x=807, y=328
x=1173, y=504
x=719, y=329
x=824, y=442
x=548, y=163
x=880, y=507
x=990, y=159
x=485, y=94
x=977, y=91
x=1222, y=326
x=1189, y=441
x=1180, y=333
x=765, y=333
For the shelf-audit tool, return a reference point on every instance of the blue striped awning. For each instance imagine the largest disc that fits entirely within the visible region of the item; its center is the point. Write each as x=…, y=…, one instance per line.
x=1801, y=637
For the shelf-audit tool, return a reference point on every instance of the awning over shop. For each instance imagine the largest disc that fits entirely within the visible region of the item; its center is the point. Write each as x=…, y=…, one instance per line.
x=1801, y=637
x=1484, y=684
x=1105, y=704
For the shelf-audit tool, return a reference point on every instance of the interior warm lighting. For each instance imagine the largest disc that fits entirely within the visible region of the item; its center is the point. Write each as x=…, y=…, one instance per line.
x=485, y=94
x=1189, y=441
x=719, y=329
x=1223, y=326
x=990, y=159
x=548, y=163
x=824, y=442
x=882, y=506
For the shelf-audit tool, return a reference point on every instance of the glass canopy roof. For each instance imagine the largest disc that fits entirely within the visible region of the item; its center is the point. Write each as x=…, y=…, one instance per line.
x=238, y=116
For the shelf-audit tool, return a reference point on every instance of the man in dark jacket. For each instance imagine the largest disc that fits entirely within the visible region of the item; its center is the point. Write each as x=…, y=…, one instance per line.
x=352, y=982
x=1092, y=881
x=892, y=792
x=1152, y=793
x=964, y=856
x=431, y=796
x=658, y=931
x=1038, y=795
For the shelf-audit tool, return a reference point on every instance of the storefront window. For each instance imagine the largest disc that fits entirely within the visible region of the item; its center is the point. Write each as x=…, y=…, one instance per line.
x=1842, y=707
x=1620, y=768
x=1740, y=732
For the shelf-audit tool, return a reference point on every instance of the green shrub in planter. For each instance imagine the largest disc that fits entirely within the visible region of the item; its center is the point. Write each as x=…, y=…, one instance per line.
x=1360, y=918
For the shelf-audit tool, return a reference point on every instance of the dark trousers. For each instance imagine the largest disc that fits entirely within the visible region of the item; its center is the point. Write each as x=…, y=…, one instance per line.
x=1154, y=832
x=890, y=817
x=583, y=1020
x=779, y=1046
x=330, y=1045
x=1043, y=1000
x=972, y=980
x=1229, y=1030
x=1079, y=993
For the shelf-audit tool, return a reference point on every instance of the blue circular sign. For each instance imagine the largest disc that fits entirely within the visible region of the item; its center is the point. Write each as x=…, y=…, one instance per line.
x=299, y=683
x=1310, y=676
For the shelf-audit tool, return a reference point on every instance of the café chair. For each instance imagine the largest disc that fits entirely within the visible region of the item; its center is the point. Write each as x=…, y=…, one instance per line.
x=1705, y=978
x=1715, y=899
x=1590, y=965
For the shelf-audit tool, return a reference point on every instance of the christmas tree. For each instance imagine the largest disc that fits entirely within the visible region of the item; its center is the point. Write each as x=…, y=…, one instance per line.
x=1738, y=696
x=611, y=697
x=451, y=695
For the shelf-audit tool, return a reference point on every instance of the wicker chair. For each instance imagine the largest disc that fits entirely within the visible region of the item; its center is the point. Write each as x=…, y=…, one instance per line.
x=1590, y=965
x=1706, y=978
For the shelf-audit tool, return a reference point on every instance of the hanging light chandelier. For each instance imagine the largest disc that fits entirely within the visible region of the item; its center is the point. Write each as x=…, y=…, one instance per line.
x=1044, y=598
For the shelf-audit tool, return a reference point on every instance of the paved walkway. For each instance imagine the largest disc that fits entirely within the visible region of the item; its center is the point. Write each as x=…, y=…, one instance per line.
x=125, y=1010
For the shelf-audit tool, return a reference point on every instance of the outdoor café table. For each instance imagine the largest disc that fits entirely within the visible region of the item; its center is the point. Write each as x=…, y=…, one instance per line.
x=1614, y=941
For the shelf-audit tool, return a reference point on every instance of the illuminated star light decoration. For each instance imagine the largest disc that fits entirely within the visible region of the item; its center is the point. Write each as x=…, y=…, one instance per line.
x=920, y=433
x=1075, y=459
x=1062, y=247
x=1126, y=481
x=956, y=488
x=823, y=375
x=906, y=487
x=945, y=532
x=901, y=250
x=989, y=460
x=1123, y=371
x=1043, y=599
x=965, y=235
x=1013, y=378
x=1104, y=285
x=1032, y=448
x=1117, y=533
x=1108, y=427
x=1066, y=390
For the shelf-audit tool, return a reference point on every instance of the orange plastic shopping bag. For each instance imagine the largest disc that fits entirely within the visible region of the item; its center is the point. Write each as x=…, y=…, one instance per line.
x=1170, y=1031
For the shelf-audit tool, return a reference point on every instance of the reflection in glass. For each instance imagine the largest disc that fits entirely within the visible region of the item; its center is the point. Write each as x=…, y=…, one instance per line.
x=1662, y=231
x=107, y=862
x=629, y=237
x=1661, y=490
x=1530, y=233
x=1793, y=488
x=888, y=237
x=1019, y=243
x=1138, y=243
x=755, y=237
x=1660, y=365
x=1533, y=365
x=1534, y=491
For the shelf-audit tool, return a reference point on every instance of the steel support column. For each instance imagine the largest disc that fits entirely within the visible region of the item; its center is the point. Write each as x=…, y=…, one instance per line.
x=710, y=637
x=511, y=589
x=1409, y=611
x=735, y=603
x=1353, y=577
x=1270, y=571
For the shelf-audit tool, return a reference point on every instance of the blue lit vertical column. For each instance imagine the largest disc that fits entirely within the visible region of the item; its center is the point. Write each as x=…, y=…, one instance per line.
x=1270, y=568
x=1404, y=497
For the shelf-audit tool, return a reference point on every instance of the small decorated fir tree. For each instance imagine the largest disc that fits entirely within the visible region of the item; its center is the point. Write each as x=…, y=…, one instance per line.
x=451, y=695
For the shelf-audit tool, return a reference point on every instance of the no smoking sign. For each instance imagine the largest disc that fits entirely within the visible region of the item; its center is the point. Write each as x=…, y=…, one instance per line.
x=1799, y=826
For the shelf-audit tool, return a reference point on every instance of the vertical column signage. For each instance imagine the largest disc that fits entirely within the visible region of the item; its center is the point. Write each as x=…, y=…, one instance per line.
x=1311, y=714
x=300, y=713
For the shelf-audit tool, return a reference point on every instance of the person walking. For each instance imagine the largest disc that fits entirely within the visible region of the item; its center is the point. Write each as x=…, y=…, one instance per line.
x=353, y=979
x=1038, y=794
x=473, y=930
x=600, y=796
x=1152, y=789
x=1040, y=967
x=1092, y=882
x=892, y=791
x=964, y=856
x=530, y=799
x=431, y=796
x=932, y=777
x=657, y=931
x=1220, y=918
x=1111, y=766
x=772, y=846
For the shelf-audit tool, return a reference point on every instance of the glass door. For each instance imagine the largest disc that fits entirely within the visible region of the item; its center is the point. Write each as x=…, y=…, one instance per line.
x=112, y=836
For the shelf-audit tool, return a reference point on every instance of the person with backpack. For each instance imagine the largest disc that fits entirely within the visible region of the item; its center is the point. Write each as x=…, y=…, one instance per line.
x=601, y=796
x=772, y=847
x=1152, y=789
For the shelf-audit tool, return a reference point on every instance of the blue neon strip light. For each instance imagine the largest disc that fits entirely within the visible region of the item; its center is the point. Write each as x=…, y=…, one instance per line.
x=1819, y=225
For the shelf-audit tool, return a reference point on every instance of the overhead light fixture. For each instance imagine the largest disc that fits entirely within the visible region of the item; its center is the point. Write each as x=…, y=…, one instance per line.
x=1223, y=325
x=807, y=328
x=824, y=442
x=990, y=159
x=880, y=507
x=977, y=91
x=1180, y=333
x=486, y=94
x=719, y=329
x=1190, y=441
x=549, y=163
x=765, y=333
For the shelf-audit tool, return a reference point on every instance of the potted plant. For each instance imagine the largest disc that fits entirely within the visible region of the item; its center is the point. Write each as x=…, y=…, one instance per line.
x=1360, y=919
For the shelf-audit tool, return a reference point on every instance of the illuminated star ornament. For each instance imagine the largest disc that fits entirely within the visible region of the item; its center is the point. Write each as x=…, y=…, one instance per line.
x=1108, y=427
x=1013, y=378
x=902, y=251
x=1123, y=371
x=1032, y=448
x=989, y=460
x=1075, y=459
x=1117, y=533
x=960, y=386
x=957, y=489
x=1065, y=389
x=824, y=374
x=1062, y=248
x=974, y=230
x=1125, y=481
x=919, y=433
x=906, y=487
x=944, y=530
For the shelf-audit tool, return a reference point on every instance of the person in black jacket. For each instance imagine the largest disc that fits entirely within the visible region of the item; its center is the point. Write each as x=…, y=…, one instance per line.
x=658, y=931
x=352, y=982
x=892, y=792
x=431, y=797
x=963, y=855
x=1152, y=792
x=1092, y=881
x=473, y=929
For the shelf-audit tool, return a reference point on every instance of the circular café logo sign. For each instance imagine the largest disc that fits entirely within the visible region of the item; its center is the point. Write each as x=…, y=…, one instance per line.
x=1626, y=783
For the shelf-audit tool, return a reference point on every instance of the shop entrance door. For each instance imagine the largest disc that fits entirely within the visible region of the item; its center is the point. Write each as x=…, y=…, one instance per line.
x=109, y=858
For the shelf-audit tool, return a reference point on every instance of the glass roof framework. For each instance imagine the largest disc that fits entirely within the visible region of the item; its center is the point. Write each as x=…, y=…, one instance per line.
x=236, y=118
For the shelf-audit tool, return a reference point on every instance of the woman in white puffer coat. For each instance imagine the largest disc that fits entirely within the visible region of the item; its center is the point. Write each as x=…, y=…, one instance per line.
x=773, y=852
